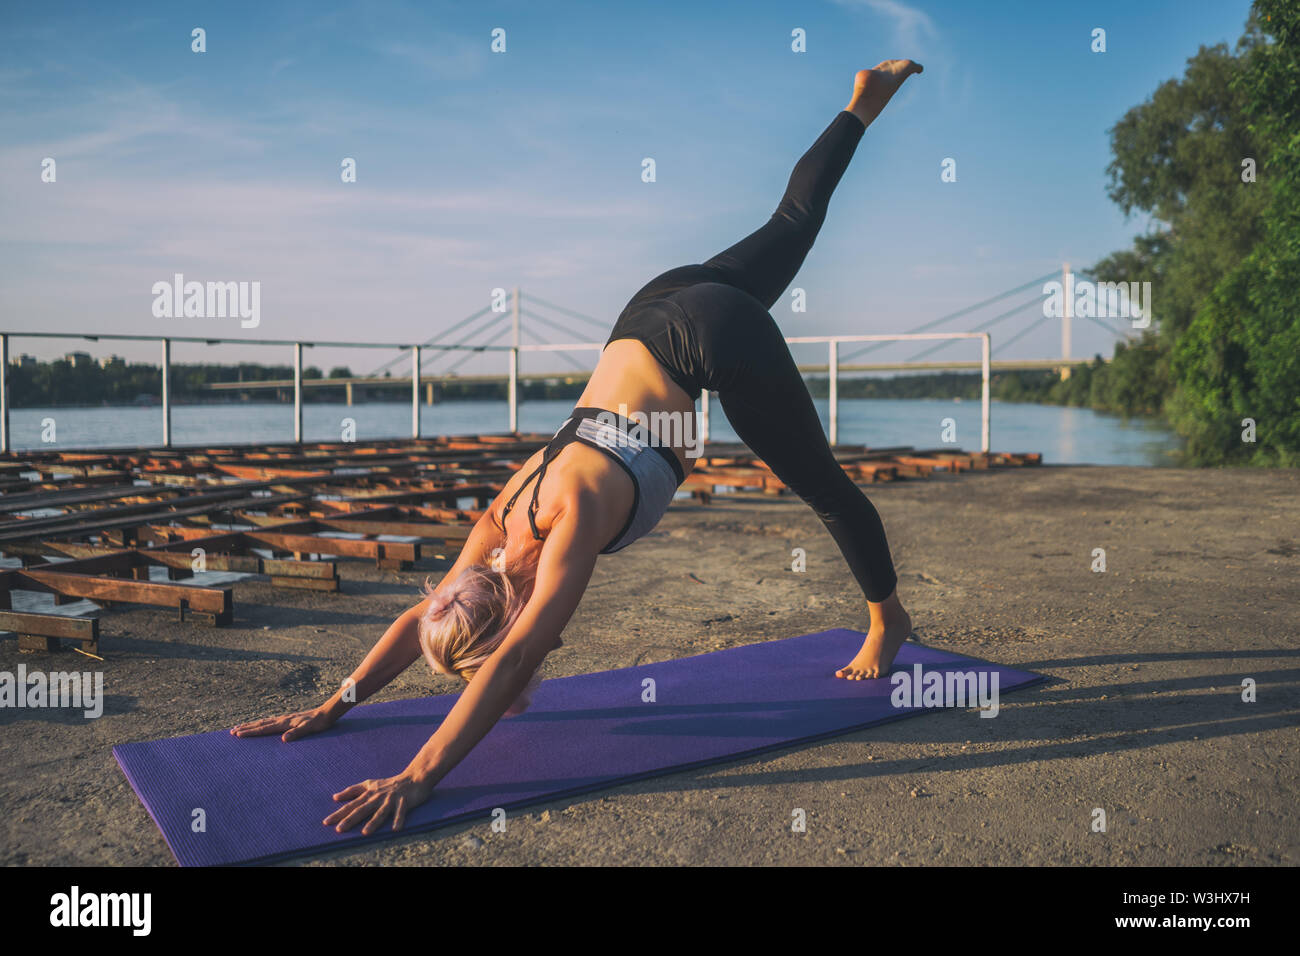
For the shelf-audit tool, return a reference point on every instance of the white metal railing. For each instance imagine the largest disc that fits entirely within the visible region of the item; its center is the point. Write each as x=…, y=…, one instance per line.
x=986, y=352
x=296, y=345
x=512, y=396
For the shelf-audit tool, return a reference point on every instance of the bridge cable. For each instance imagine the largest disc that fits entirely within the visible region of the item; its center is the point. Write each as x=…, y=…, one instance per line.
x=569, y=312
x=577, y=336
x=1021, y=334
x=441, y=335
x=925, y=327
x=979, y=328
x=471, y=351
x=568, y=357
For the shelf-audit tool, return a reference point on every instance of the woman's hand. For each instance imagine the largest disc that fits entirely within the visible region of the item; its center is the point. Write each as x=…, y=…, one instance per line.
x=290, y=726
x=378, y=800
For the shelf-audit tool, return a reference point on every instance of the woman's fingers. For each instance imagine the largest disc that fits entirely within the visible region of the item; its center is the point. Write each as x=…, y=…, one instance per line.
x=380, y=815
x=290, y=726
x=259, y=728
x=312, y=723
x=342, y=812
x=334, y=817
x=296, y=731
x=351, y=792
x=271, y=725
x=356, y=811
x=373, y=801
x=338, y=819
x=360, y=797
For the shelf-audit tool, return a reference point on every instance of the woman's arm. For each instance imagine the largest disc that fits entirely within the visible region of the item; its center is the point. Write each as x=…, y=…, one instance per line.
x=395, y=651
x=565, y=567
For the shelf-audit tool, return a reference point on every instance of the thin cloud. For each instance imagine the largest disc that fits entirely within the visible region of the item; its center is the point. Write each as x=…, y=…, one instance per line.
x=456, y=58
x=913, y=28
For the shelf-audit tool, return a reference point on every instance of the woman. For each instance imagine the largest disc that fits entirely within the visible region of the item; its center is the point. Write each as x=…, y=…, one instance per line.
x=600, y=483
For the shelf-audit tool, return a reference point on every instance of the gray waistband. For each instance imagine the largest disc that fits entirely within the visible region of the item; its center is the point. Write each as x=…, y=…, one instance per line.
x=655, y=480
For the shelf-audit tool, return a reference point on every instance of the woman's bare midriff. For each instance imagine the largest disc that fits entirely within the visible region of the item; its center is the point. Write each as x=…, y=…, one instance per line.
x=626, y=375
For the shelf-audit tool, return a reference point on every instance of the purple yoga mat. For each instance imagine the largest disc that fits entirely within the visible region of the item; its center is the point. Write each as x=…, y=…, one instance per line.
x=264, y=800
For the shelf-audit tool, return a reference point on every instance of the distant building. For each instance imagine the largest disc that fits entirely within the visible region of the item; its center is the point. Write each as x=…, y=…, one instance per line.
x=78, y=358
x=111, y=361
x=24, y=360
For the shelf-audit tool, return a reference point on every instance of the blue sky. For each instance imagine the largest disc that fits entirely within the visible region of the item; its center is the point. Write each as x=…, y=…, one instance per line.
x=478, y=170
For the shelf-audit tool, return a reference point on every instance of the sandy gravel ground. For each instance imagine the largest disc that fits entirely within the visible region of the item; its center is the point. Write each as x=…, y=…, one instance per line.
x=1142, y=716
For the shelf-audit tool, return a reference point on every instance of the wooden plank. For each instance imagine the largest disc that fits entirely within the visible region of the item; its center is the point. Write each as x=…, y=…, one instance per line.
x=349, y=547
x=299, y=569
x=45, y=632
x=216, y=602
x=50, y=625
x=307, y=584
x=410, y=529
x=927, y=465
x=79, y=523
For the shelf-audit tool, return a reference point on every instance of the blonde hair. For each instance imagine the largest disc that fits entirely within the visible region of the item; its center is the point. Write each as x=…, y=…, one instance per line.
x=466, y=621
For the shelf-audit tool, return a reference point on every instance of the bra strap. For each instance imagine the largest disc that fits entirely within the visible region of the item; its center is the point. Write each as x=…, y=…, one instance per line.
x=505, y=512
x=532, y=505
x=548, y=455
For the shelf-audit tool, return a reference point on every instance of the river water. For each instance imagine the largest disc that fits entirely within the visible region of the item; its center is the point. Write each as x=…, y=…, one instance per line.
x=1062, y=435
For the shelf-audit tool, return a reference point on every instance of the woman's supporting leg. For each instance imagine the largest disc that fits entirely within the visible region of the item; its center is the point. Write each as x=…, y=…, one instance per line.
x=767, y=403
x=759, y=385
x=771, y=411
x=749, y=364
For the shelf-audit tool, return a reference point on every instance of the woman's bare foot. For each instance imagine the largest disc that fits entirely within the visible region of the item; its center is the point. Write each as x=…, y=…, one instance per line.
x=873, y=88
x=890, y=627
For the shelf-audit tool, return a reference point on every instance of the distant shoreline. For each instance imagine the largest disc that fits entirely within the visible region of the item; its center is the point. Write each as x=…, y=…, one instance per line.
x=130, y=406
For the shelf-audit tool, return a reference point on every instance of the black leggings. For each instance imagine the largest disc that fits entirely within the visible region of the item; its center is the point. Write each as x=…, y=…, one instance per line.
x=709, y=326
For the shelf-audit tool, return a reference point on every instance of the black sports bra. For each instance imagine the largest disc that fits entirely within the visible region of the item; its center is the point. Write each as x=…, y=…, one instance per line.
x=655, y=471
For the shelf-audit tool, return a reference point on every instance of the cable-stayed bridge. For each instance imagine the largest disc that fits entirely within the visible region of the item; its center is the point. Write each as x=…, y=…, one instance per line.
x=501, y=328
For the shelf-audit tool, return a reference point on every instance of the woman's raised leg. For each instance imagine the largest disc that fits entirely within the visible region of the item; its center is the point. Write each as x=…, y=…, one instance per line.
x=766, y=261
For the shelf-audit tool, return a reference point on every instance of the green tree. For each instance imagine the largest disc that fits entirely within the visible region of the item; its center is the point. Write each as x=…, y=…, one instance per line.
x=1240, y=358
x=1177, y=159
